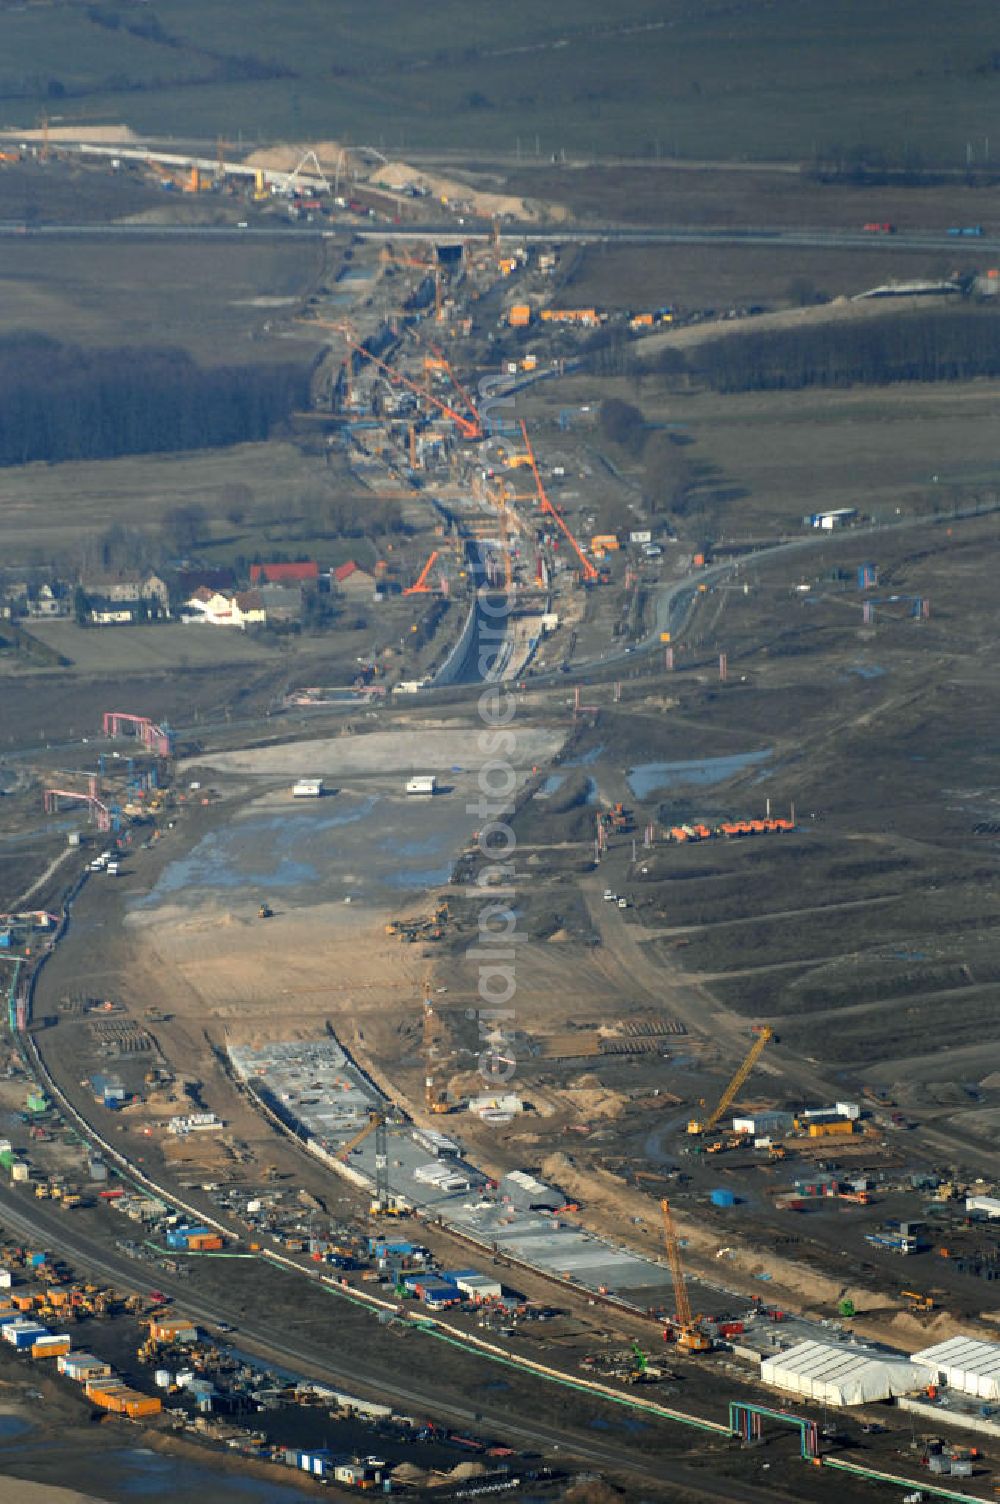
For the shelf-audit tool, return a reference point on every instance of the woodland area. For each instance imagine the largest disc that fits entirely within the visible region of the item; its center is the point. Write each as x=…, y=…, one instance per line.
x=939, y=345
x=62, y=402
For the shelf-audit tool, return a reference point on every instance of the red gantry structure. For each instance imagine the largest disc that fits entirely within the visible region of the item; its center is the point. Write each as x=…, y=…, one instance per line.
x=98, y=812
x=156, y=739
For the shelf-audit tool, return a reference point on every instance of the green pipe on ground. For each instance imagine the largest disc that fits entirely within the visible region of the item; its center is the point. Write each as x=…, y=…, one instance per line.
x=910, y=1484
x=650, y=1408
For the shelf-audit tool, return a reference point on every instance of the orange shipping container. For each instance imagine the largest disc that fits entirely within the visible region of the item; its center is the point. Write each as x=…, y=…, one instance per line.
x=51, y=1349
x=605, y=540
x=141, y=1405
x=108, y=1399
x=839, y=1126
x=519, y=316
x=166, y=1331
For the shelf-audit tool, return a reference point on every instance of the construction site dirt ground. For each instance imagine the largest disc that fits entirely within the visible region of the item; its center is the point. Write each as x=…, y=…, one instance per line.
x=833, y=740
x=192, y=945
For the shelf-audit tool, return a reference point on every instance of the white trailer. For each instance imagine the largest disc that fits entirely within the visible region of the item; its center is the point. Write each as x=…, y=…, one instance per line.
x=307, y=788
x=422, y=783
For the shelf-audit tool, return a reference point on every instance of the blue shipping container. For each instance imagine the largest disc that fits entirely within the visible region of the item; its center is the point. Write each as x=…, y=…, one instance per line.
x=723, y=1198
x=440, y=1294
x=27, y=1336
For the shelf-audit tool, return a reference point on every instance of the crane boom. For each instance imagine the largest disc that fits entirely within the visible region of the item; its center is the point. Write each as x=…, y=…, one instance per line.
x=681, y=1302
x=420, y=585
x=467, y=427
x=374, y=1119
x=589, y=572
x=753, y=1055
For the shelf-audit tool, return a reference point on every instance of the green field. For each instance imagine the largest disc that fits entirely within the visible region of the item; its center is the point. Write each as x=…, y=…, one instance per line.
x=215, y=301
x=759, y=462
x=781, y=81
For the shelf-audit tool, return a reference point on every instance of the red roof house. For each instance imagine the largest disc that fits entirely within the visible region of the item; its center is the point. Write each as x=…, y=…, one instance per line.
x=304, y=573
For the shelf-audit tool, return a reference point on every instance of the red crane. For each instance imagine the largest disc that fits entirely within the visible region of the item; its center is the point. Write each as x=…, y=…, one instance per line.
x=590, y=574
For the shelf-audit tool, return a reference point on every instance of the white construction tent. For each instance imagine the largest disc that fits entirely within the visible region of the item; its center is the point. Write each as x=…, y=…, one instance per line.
x=965, y=1364
x=841, y=1375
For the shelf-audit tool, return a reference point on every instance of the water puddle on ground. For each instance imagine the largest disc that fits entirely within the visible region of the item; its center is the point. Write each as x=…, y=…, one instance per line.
x=650, y=777
x=418, y=877
x=13, y=1425
x=142, y=1474
x=271, y=851
x=585, y=759
x=866, y=670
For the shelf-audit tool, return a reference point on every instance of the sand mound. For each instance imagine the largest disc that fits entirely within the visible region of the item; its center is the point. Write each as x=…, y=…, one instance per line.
x=408, y=1472
x=589, y=1096
x=392, y=177
x=464, y=1471
x=400, y=175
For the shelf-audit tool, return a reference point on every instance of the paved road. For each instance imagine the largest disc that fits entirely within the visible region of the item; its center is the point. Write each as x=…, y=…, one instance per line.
x=753, y=236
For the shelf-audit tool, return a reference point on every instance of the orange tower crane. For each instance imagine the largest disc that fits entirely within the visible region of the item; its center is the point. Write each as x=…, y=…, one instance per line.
x=420, y=585
x=469, y=428
x=589, y=573
x=689, y=1334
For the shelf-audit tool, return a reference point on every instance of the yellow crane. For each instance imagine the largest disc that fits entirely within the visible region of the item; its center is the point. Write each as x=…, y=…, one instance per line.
x=689, y=1335
x=374, y=1120
x=753, y=1055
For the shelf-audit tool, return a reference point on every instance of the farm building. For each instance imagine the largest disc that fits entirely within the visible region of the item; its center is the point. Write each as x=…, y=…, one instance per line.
x=351, y=579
